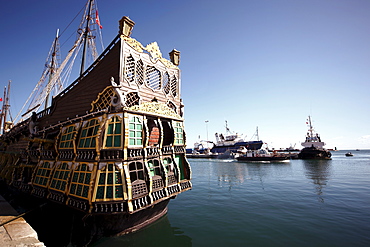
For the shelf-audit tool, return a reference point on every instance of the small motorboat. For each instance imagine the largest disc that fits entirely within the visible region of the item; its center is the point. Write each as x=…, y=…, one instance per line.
x=349, y=154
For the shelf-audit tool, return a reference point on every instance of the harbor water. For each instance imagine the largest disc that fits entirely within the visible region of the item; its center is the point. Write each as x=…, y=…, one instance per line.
x=293, y=203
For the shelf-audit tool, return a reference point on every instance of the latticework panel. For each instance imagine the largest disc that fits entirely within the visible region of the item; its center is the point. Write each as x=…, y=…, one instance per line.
x=174, y=86
x=153, y=78
x=132, y=99
x=104, y=99
x=166, y=83
x=130, y=69
x=140, y=72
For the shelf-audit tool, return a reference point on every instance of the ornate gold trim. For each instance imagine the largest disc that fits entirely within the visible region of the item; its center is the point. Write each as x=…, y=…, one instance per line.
x=152, y=48
x=156, y=108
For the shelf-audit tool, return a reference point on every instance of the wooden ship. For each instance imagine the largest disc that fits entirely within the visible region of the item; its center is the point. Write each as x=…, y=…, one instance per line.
x=111, y=145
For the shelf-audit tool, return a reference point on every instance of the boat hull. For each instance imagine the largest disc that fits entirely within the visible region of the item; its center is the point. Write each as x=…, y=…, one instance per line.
x=244, y=158
x=71, y=226
x=251, y=145
x=314, y=153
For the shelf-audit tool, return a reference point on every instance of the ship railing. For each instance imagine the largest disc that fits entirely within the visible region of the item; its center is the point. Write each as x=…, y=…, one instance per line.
x=135, y=153
x=86, y=155
x=82, y=205
x=112, y=207
x=111, y=154
x=152, y=151
x=66, y=154
x=158, y=191
x=48, y=154
x=57, y=196
x=44, y=112
x=179, y=149
x=167, y=150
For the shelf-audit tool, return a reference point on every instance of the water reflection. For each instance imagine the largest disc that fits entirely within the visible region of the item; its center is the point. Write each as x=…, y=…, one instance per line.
x=235, y=173
x=319, y=172
x=230, y=173
x=160, y=233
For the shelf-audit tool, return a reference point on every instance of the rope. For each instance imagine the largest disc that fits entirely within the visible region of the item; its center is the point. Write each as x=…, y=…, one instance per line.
x=21, y=215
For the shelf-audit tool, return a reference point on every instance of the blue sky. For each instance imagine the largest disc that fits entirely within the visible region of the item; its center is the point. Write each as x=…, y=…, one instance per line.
x=265, y=63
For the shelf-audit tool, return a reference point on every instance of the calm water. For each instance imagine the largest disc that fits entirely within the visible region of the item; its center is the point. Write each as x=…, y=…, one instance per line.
x=295, y=203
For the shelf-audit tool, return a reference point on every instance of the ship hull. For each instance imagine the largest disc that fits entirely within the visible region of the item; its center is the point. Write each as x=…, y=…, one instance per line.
x=314, y=153
x=76, y=227
x=252, y=145
x=244, y=158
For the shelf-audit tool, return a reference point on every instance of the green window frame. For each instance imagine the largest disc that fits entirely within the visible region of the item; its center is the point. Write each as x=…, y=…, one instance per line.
x=89, y=134
x=113, y=136
x=135, y=131
x=179, y=133
x=110, y=183
x=60, y=177
x=80, y=183
x=43, y=174
x=66, y=140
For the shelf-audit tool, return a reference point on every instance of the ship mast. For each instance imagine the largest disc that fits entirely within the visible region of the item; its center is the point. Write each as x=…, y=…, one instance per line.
x=5, y=109
x=85, y=37
x=310, y=129
x=54, y=75
x=52, y=66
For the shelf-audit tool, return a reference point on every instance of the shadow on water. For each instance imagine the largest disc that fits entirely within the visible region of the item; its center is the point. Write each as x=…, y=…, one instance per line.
x=160, y=233
x=319, y=172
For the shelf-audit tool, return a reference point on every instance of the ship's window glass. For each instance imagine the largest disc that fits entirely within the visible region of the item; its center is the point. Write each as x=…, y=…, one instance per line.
x=153, y=78
x=43, y=174
x=135, y=131
x=168, y=165
x=60, y=177
x=110, y=183
x=66, y=140
x=130, y=69
x=136, y=171
x=179, y=133
x=174, y=86
x=114, y=133
x=80, y=181
x=89, y=134
x=166, y=83
x=154, y=167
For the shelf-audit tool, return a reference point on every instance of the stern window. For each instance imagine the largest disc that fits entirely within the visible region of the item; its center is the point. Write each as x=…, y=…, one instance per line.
x=135, y=132
x=110, y=183
x=179, y=133
x=89, y=134
x=80, y=181
x=114, y=133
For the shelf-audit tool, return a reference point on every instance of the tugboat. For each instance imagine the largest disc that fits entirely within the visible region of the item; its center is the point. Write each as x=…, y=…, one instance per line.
x=313, y=146
x=112, y=144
